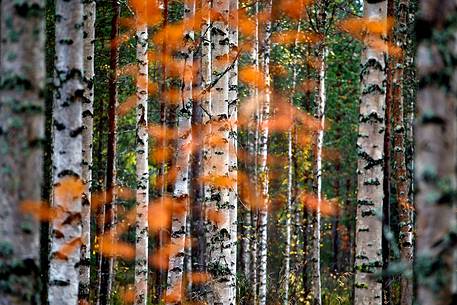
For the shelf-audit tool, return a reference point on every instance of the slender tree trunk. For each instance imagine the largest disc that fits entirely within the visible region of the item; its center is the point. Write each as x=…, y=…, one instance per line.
x=386, y=208
x=67, y=154
x=290, y=180
x=320, y=101
x=368, y=257
x=253, y=140
x=142, y=168
x=197, y=171
x=175, y=289
x=399, y=151
x=233, y=137
x=88, y=125
x=164, y=115
x=22, y=108
x=263, y=155
x=436, y=134
x=111, y=172
x=219, y=246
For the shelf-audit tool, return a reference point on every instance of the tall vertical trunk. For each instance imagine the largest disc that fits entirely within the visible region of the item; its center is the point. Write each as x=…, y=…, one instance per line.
x=219, y=246
x=107, y=266
x=67, y=154
x=253, y=140
x=399, y=154
x=436, y=150
x=197, y=195
x=263, y=155
x=88, y=125
x=320, y=101
x=233, y=137
x=290, y=179
x=142, y=168
x=181, y=189
x=164, y=114
x=386, y=227
x=370, y=143
x=22, y=106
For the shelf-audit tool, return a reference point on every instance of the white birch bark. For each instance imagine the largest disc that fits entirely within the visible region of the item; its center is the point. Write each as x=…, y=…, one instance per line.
x=370, y=143
x=22, y=75
x=316, y=225
x=253, y=138
x=263, y=155
x=142, y=168
x=233, y=118
x=222, y=290
x=181, y=187
x=67, y=154
x=87, y=138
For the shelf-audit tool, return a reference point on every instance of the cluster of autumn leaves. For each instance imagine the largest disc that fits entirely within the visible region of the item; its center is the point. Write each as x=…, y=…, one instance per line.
x=284, y=118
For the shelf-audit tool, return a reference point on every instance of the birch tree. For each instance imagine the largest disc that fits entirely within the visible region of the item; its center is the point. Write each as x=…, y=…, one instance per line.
x=370, y=143
x=233, y=137
x=263, y=155
x=22, y=74
x=319, y=101
x=67, y=154
x=219, y=241
x=436, y=134
x=181, y=189
x=253, y=140
x=87, y=138
x=142, y=150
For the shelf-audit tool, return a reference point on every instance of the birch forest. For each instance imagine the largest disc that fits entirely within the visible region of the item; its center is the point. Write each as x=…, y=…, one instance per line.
x=228, y=152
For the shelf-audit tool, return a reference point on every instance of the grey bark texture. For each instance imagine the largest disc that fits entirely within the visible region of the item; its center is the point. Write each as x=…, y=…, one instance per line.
x=263, y=155
x=436, y=151
x=370, y=143
x=87, y=135
x=67, y=154
x=176, y=268
x=142, y=168
x=22, y=73
x=219, y=240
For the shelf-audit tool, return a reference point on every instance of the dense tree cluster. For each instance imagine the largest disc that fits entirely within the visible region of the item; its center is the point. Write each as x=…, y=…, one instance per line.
x=228, y=152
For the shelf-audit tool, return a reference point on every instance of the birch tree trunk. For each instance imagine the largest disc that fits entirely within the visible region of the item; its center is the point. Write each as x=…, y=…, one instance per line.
x=67, y=154
x=87, y=135
x=219, y=242
x=107, y=264
x=290, y=178
x=22, y=106
x=253, y=140
x=142, y=168
x=370, y=143
x=436, y=134
x=263, y=155
x=181, y=189
x=320, y=101
x=233, y=137
x=399, y=154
